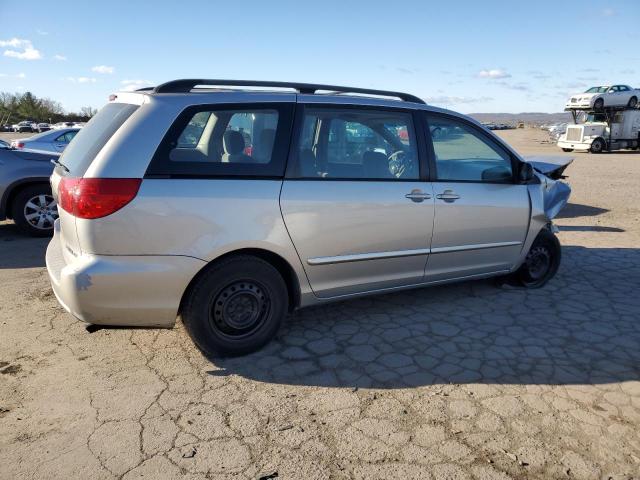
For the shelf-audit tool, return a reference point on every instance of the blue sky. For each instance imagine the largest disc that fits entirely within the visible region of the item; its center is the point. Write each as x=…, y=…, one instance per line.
x=471, y=56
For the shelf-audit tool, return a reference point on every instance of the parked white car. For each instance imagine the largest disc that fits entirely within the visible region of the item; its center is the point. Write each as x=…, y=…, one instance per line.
x=60, y=125
x=596, y=98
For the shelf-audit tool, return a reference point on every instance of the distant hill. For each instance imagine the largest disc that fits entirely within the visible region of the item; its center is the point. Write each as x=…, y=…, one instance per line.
x=531, y=118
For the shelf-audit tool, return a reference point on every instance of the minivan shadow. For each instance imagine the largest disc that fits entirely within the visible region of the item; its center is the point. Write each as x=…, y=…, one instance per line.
x=575, y=210
x=18, y=250
x=582, y=328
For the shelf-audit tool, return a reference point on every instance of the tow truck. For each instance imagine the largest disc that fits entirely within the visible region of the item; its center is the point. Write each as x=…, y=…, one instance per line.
x=603, y=130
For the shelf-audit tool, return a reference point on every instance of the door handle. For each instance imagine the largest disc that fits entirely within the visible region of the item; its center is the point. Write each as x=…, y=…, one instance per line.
x=417, y=196
x=448, y=196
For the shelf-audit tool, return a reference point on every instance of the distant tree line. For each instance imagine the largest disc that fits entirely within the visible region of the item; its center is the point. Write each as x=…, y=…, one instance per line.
x=15, y=107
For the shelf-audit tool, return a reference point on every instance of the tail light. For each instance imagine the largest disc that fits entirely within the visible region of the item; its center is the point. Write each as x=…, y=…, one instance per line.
x=19, y=144
x=96, y=197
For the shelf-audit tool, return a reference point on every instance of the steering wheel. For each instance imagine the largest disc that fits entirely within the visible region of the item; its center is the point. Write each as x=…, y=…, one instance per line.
x=400, y=164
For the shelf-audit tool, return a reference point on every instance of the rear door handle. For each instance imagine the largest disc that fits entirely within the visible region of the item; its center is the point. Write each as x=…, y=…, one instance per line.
x=417, y=196
x=448, y=196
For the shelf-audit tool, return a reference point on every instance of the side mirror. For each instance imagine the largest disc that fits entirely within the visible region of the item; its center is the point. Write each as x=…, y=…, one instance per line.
x=525, y=172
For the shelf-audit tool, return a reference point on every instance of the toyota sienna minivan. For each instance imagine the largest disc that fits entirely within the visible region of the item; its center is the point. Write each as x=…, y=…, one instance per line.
x=233, y=207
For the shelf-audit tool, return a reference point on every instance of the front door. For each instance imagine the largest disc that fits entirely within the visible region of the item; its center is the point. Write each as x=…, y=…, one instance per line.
x=354, y=204
x=481, y=213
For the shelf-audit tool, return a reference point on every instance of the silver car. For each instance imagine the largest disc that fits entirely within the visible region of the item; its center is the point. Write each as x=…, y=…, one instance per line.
x=49, y=141
x=25, y=192
x=231, y=208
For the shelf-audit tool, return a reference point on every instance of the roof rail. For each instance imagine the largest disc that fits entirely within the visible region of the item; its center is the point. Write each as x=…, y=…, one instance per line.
x=186, y=85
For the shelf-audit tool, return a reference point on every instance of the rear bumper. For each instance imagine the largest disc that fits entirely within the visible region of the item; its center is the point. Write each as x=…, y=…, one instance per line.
x=140, y=291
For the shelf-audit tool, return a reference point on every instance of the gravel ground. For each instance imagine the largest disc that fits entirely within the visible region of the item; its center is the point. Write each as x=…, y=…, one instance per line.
x=464, y=381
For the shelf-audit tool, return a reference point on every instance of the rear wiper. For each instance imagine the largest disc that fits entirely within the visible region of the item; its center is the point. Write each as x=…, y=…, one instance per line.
x=58, y=163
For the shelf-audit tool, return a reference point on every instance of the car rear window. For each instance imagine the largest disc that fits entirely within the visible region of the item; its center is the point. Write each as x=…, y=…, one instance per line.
x=89, y=141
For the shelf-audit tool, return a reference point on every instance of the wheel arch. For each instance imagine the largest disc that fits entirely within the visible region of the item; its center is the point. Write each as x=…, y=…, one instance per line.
x=13, y=189
x=278, y=262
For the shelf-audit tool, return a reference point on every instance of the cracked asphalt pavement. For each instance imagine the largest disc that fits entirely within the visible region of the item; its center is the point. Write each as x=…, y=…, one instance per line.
x=468, y=381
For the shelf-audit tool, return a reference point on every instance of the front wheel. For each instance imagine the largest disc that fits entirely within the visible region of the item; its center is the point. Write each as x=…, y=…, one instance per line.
x=542, y=261
x=236, y=306
x=34, y=210
x=598, y=104
x=597, y=146
x=633, y=102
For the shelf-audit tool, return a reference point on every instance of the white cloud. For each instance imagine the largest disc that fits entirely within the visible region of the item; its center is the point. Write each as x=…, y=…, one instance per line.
x=81, y=79
x=523, y=87
x=103, y=69
x=14, y=42
x=17, y=75
x=62, y=58
x=131, y=85
x=42, y=32
x=452, y=100
x=493, y=74
x=23, y=49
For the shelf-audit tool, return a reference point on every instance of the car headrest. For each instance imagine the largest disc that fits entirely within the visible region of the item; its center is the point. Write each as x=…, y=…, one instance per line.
x=233, y=142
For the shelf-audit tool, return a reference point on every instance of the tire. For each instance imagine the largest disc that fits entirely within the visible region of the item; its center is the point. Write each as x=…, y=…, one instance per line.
x=598, y=104
x=597, y=146
x=34, y=210
x=567, y=149
x=236, y=306
x=542, y=261
x=633, y=102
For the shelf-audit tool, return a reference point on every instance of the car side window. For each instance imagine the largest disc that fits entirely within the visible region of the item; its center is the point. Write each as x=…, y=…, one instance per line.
x=464, y=154
x=356, y=144
x=227, y=136
x=66, y=138
x=222, y=141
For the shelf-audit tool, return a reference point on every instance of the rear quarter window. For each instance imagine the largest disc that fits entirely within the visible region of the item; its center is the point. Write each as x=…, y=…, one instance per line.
x=226, y=140
x=89, y=140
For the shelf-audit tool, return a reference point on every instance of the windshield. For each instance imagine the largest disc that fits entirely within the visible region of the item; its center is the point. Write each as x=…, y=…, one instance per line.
x=89, y=141
x=596, y=117
x=597, y=90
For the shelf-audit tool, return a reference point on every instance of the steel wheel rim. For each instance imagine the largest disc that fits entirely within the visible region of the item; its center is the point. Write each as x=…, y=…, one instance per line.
x=41, y=211
x=597, y=146
x=239, y=309
x=538, y=263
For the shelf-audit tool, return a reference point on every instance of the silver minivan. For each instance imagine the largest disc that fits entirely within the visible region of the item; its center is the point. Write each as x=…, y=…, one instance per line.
x=233, y=207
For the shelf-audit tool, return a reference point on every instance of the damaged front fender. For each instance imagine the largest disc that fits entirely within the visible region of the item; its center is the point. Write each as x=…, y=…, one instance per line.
x=555, y=196
x=548, y=197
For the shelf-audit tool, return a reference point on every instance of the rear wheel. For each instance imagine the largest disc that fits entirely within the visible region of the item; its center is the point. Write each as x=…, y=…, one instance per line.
x=34, y=210
x=567, y=149
x=236, y=306
x=542, y=261
x=597, y=146
x=633, y=101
